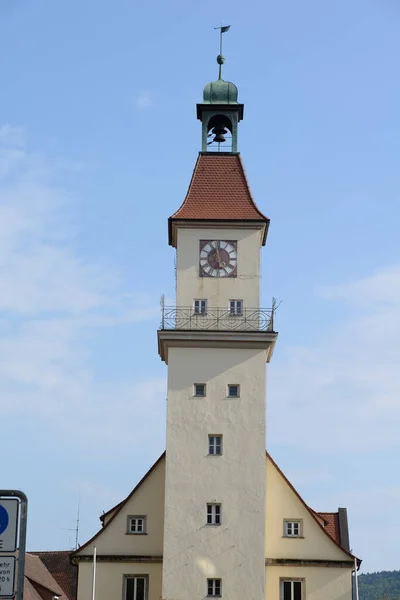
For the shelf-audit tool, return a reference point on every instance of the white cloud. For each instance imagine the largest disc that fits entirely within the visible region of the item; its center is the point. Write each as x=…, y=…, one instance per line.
x=343, y=391
x=334, y=402
x=144, y=100
x=53, y=304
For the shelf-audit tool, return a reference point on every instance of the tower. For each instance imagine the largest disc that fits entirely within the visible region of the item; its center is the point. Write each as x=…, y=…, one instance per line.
x=196, y=524
x=216, y=341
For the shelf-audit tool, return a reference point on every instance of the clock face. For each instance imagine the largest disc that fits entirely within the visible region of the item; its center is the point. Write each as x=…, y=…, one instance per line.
x=218, y=258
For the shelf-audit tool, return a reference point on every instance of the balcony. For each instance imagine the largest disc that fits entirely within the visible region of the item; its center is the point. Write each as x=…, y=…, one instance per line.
x=217, y=319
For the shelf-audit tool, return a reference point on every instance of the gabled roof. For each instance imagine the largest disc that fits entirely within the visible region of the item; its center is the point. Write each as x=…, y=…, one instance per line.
x=328, y=522
x=218, y=191
x=40, y=583
x=118, y=507
x=65, y=574
x=30, y=593
x=36, y=572
x=330, y=526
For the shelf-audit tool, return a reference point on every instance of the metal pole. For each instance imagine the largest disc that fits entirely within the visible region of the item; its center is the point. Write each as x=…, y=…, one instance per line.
x=94, y=574
x=355, y=578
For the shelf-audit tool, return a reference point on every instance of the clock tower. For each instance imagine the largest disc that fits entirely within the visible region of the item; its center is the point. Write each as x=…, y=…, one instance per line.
x=216, y=341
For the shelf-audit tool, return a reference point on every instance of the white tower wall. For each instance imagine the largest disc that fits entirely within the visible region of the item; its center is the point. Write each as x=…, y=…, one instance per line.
x=218, y=290
x=235, y=550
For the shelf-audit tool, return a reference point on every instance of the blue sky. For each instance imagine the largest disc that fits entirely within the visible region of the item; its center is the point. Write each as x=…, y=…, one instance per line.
x=98, y=139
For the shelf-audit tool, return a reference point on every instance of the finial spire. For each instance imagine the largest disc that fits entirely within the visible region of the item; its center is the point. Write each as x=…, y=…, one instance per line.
x=220, y=58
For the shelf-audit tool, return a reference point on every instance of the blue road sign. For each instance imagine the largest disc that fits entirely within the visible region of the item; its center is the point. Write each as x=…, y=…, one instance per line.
x=4, y=519
x=8, y=524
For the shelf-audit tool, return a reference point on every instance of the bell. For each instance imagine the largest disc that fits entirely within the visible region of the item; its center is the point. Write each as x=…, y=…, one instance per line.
x=219, y=138
x=219, y=133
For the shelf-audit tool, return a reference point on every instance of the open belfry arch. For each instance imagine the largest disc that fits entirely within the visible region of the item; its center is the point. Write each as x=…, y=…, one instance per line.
x=215, y=516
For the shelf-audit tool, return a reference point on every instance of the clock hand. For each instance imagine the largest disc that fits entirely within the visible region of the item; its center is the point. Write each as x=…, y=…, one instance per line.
x=218, y=254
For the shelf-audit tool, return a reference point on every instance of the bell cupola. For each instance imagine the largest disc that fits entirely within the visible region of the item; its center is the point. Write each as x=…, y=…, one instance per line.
x=220, y=111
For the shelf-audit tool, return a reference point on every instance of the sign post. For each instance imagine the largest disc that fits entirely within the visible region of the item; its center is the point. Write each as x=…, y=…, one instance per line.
x=13, y=515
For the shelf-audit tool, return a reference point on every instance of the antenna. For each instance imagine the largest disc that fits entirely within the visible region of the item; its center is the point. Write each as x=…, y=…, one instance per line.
x=76, y=529
x=77, y=523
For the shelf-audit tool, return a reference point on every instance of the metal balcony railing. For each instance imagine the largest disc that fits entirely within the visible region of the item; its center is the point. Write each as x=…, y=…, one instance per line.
x=220, y=319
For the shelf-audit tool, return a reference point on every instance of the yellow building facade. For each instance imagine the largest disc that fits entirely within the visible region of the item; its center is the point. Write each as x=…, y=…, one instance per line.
x=315, y=557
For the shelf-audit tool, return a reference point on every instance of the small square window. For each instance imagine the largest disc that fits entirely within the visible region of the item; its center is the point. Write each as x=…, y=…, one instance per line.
x=234, y=391
x=200, y=307
x=137, y=524
x=213, y=514
x=292, y=528
x=214, y=587
x=236, y=308
x=199, y=389
x=215, y=444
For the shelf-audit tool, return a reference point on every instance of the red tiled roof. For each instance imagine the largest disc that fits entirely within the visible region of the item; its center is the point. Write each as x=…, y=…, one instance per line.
x=218, y=191
x=30, y=593
x=37, y=572
x=65, y=574
x=331, y=524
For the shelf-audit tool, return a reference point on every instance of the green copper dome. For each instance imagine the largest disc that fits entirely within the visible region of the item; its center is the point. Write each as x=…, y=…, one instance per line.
x=220, y=92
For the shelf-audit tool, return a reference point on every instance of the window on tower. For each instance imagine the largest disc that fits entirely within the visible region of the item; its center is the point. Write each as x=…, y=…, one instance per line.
x=233, y=390
x=137, y=524
x=213, y=514
x=291, y=589
x=236, y=308
x=292, y=528
x=200, y=307
x=199, y=389
x=136, y=588
x=215, y=444
x=214, y=587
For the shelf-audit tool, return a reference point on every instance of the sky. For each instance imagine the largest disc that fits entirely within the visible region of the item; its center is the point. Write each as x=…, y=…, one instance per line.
x=98, y=140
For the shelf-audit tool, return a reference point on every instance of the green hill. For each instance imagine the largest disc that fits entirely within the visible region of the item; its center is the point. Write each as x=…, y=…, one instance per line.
x=384, y=585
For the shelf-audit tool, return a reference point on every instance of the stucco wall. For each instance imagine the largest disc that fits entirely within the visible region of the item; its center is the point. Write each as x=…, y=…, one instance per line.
x=218, y=290
x=110, y=579
x=320, y=583
x=282, y=503
x=148, y=500
x=234, y=551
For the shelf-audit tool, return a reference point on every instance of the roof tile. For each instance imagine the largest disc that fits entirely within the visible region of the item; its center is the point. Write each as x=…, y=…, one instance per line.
x=65, y=574
x=331, y=525
x=219, y=191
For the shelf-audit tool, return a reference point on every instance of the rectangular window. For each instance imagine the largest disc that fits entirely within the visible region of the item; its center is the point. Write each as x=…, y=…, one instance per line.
x=233, y=391
x=291, y=590
x=215, y=444
x=137, y=524
x=200, y=307
x=292, y=528
x=214, y=587
x=213, y=514
x=136, y=588
x=236, y=308
x=199, y=389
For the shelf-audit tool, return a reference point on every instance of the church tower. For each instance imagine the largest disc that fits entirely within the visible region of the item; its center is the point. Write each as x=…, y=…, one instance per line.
x=216, y=341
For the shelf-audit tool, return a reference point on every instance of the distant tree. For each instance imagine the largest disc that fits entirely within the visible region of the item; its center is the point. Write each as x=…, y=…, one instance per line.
x=383, y=585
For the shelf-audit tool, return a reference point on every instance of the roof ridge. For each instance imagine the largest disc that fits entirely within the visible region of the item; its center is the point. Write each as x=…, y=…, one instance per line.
x=119, y=507
x=311, y=511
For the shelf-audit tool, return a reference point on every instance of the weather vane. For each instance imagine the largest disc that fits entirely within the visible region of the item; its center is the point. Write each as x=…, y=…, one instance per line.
x=220, y=58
